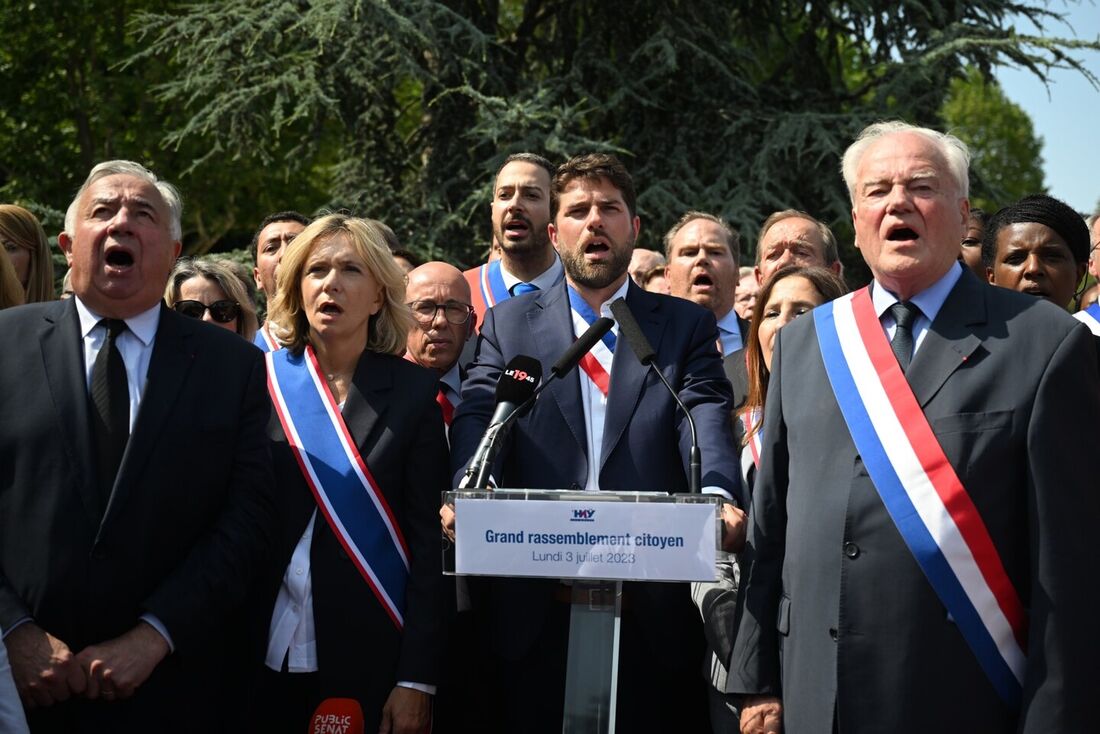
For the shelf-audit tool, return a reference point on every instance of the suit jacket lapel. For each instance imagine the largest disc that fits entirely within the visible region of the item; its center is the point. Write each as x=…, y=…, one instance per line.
x=551, y=321
x=367, y=398
x=950, y=341
x=169, y=366
x=63, y=361
x=627, y=373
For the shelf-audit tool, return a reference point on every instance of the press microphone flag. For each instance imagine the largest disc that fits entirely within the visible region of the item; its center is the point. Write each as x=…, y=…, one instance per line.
x=632, y=332
x=515, y=387
x=337, y=716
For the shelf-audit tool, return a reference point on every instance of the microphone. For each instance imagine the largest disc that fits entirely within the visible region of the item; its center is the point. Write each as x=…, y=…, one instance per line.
x=571, y=356
x=515, y=388
x=629, y=330
x=337, y=716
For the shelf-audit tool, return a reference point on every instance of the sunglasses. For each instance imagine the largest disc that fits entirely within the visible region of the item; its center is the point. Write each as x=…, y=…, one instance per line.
x=221, y=311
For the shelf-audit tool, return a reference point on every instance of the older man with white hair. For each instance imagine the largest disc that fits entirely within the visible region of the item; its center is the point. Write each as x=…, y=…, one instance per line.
x=134, y=505
x=924, y=511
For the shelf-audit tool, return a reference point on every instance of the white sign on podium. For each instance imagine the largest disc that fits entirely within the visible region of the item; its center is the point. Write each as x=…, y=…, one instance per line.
x=584, y=538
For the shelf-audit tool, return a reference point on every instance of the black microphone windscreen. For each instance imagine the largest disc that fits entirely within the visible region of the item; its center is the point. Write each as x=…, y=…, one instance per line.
x=629, y=330
x=518, y=381
x=581, y=347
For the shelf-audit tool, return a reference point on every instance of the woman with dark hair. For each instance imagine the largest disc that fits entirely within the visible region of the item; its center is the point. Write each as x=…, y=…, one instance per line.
x=354, y=603
x=26, y=244
x=791, y=292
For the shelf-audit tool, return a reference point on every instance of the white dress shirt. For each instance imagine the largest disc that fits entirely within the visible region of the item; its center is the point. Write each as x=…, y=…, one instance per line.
x=543, y=281
x=729, y=333
x=593, y=400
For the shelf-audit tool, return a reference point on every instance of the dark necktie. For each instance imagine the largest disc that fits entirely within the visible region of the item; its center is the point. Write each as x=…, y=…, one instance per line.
x=110, y=406
x=904, y=313
x=520, y=288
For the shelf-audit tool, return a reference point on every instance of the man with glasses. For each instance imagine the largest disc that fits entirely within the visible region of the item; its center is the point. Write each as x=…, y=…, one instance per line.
x=439, y=298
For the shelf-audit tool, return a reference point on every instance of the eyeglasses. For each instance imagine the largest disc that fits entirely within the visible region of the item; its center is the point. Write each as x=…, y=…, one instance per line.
x=221, y=311
x=453, y=311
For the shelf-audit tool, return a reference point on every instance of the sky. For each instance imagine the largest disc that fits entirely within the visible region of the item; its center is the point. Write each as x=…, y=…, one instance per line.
x=1067, y=114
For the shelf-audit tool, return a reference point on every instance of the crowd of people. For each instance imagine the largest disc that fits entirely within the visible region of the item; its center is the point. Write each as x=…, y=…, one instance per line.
x=233, y=525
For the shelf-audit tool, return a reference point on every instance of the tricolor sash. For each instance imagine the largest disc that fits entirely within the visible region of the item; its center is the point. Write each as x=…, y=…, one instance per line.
x=920, y=489
x=749, y=419
x=340, y=480
x=597, y=363
x=264, y=340
x=1090, y=317
x=491, y=289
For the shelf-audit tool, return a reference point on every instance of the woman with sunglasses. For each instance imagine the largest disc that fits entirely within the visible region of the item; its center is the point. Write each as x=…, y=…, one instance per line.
x=212, y=290
x=354, y=603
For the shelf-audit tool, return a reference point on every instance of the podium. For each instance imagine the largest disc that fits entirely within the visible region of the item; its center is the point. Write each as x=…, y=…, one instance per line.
x=592, y=542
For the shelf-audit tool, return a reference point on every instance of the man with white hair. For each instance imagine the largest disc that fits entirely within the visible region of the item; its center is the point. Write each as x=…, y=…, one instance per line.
x=134, y=505
x=1090, y=306
x=922, y=522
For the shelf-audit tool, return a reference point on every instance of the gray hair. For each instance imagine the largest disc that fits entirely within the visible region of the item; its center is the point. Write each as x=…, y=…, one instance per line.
x=168, y=192
x=953, y=150
x=733, y=238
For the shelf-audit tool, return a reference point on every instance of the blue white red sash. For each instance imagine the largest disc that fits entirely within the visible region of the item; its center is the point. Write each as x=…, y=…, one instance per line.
x=1090, y=317
x=597, y=363
x=264, y=340
x=753, y=446
x=340, y=480
x=920, y=489
x=491, y=283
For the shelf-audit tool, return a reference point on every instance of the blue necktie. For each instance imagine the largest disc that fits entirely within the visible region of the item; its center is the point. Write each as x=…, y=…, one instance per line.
x=520, y=288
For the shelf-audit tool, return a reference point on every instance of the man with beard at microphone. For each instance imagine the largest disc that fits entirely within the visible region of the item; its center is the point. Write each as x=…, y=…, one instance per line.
x=608, y=426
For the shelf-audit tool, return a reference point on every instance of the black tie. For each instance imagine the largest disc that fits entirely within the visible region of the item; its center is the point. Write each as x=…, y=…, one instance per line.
x=111, y=406
x=904, y=313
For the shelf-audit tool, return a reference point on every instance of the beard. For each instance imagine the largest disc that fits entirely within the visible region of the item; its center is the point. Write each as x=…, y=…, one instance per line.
x=536, y=241
x=597, y=275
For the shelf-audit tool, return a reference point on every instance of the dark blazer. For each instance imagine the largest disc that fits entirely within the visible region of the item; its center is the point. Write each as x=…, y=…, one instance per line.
x=734, y=367
x=645, y=441
x=837, y=611
x=393, y=417
x=188, y=523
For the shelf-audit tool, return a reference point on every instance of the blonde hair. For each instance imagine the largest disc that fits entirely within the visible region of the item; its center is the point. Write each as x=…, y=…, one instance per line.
x=387, y=331
x=229, y=278
x=11, y=290
x=19, y=226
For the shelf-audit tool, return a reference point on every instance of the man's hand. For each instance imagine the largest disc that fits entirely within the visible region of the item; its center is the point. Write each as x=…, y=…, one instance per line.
x=117, y=667
x=734, y=527
x=44, y=668
x=407, y=711
x=447, y=521
x=762, y=715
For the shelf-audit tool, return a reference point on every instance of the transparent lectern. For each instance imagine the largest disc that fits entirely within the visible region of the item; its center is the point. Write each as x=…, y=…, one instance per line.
x=592, y=541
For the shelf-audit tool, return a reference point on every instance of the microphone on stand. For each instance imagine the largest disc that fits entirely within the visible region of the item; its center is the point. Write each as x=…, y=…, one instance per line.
x=629, y=330
x=517, y=391
x=515, y=388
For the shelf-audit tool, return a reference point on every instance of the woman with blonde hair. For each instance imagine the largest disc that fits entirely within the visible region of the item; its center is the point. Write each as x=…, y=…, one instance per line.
x=26, y=244
x=214, y=291
x=354, y=599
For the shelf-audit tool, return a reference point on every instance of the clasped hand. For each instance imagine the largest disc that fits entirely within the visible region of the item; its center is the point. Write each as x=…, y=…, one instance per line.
x=47, y=672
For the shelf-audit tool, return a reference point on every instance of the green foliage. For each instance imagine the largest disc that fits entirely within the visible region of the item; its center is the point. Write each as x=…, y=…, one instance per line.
x=1007, y=156
x=403, y=109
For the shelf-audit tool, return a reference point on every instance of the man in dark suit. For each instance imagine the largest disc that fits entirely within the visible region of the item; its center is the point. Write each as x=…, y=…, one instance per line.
x=845, y=629
x=788, y=237
x=631, y=437
x=134, y=502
